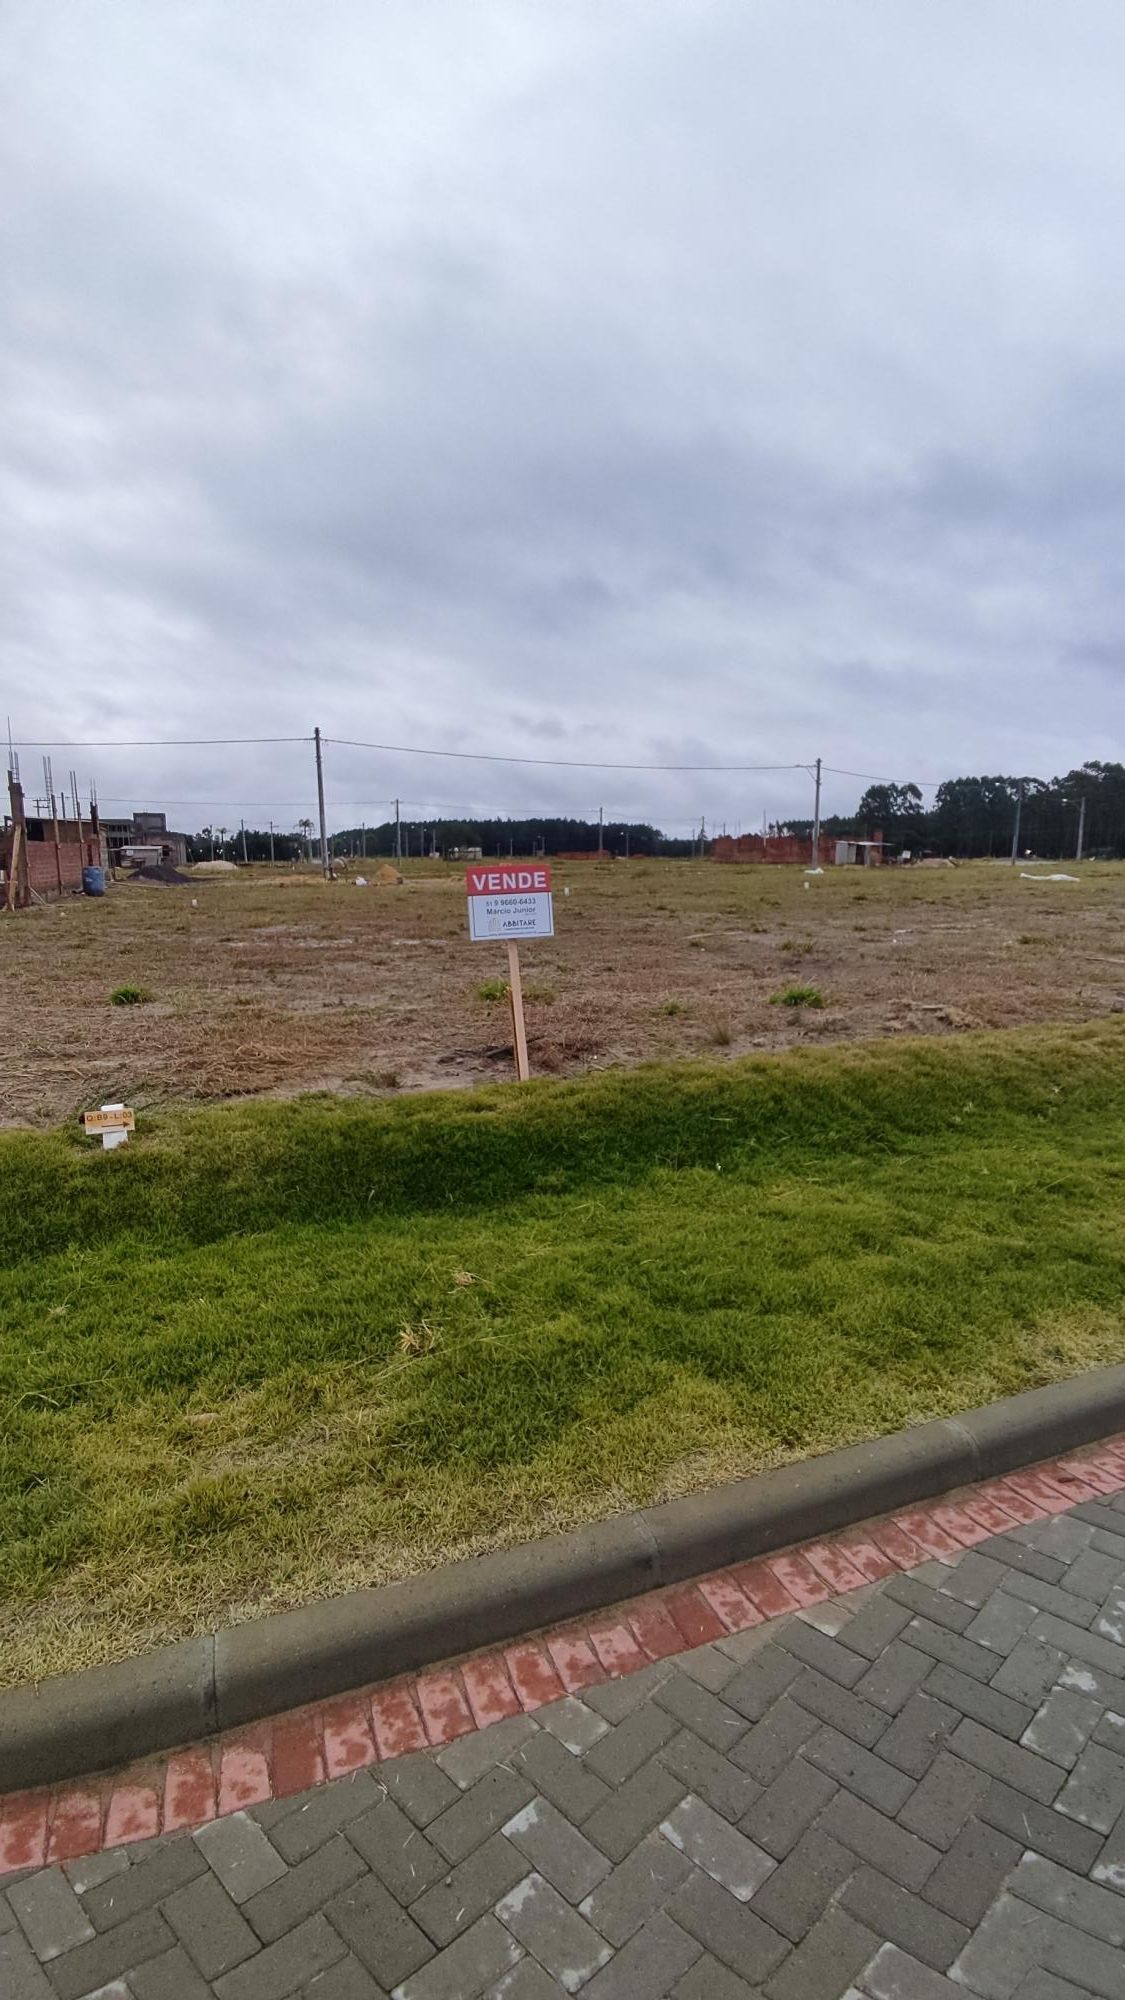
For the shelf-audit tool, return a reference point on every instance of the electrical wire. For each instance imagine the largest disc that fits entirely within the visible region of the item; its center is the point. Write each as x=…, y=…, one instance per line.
x=552, y=763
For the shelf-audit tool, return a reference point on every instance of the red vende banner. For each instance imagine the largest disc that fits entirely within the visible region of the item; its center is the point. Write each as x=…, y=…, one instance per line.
x=509, y=880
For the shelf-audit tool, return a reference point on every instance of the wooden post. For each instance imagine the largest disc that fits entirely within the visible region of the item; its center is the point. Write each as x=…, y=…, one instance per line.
x=519, y=1028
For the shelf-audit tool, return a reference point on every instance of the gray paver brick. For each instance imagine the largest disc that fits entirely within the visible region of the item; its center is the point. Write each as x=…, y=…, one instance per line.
x=973, y=1580
x=649, y=1965
x=1001, y=1712
x=284, y=1967
x=88, y=1871
x=952, y=1647
x=718, y=1848
x=242, y=1856
x=322, y=1813
x=210, y=1928
x=304, y=1889
x=573, y=1722
x=1060, y=1894
x=1110, y=1621
x=836, y=1662
x=711, y=1776
x=634, y=1809
x=893, y=1913
x=1060, y=1536
x=468, y=1890
x=526, y=1981
x=49, y=1913
x=1093, y=1575
x=419, y=1785
x=88, y=1966
x=756, y=1686
x=1000, y=1623
x=839, y=1707
x=1042, y=1985
x=798, y=1893
x=935, y=1606
x=891, y=1679
x=708, y=1980
x=707, y=1665
x=561, y=1777
x=783, y=1813
x=21, y=1975
x=1020, y=1556
x=478, y=1812
x=770, y=1747
x=702, y=1712
x=625, y=1749
x=1110, y=1865
x=469, y=1757
x=727, y=1928
x=144, y=1884
x=1015, y=1766
x=382, y=1936
x=918, y=1732
x=860, y=1770
x=1095, y=1790
x=1062, y=1727
x=636, y=1889
x=397, y=1850
x=880, y=1841
x=170, y=1977
x=1040, y=1827
x=875, y=1628
x=464, y=1969
x=894, y=1975
x=553, y=1932
x=557, y=1849
x=1049, y=1597
x=346, y=1980
x=1030, y=1670
x=944, y=1800
x=826, y=1961
x=614, y=1700
x=969, y=1875
x=1072, y=1640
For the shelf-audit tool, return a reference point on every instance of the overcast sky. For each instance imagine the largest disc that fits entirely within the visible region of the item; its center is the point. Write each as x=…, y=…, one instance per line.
x=668, y=381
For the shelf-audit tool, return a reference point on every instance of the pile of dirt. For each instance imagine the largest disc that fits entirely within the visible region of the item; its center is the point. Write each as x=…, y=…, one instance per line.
x=157, y=871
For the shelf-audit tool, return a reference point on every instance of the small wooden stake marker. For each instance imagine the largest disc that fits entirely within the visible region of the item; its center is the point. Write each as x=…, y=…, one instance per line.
x=519, y=1026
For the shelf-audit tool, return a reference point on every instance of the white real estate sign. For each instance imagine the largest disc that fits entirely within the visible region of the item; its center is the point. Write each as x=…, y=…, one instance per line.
x=507, y=903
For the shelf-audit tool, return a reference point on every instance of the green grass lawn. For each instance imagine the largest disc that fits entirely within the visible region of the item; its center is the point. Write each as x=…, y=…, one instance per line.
x=267, y=1354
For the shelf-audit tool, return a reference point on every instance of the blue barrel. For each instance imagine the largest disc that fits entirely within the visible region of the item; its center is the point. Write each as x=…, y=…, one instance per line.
x=93, y=881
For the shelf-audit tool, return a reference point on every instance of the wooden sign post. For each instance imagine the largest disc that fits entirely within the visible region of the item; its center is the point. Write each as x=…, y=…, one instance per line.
x=509, y=902
x=113, y=1122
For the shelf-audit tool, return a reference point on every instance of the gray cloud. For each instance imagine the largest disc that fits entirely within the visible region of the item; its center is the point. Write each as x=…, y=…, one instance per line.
x=685, y=383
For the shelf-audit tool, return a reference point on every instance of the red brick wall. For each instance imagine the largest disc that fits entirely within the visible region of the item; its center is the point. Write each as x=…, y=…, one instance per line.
x=780, y=848
x=41, y=869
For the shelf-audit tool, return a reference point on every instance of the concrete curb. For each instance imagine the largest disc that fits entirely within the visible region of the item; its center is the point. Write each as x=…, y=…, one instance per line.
x=116, y=1714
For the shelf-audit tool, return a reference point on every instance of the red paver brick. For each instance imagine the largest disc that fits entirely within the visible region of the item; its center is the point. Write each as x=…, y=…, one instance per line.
x=349, y=1744
x=23, y=1831
x=655, y=1631
x=989, y=1513
x=533, y=1677
x=694, y=1616
x=1082, y=1480
x=189, y=1790
x=445, y=1711
x=1045, y=1492
x=930, y=1536
x=958, y=1523
x=1109, y=1468
x=134, y=1814
x=244, y=1775
x=617, y=1649
x=831, y=1561
x=398, y=1725
x=575, y=1661
x=897, y=1544
x=729, y=1603
x=764, y=1589
x=76, y=1825
x=1018, y=1505
x=799, y=1578
x=870, y=1561
x=491, y=1694
x=298, y=1754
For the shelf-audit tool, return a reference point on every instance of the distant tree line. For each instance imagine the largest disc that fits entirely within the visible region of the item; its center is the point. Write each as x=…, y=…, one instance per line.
x=968, y=817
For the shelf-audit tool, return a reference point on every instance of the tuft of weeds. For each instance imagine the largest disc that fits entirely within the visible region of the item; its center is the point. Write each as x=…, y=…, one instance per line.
x=130, y=996
x=797, y=996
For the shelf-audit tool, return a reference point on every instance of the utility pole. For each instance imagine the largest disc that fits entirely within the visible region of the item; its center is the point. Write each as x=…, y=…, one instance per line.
x=324, y=861
x=242, y=825
x=1016, y=828
x=1081, y=828
x=816, y=821
x=398, y=836
x=271, y=844
x=363, y=840
x=601, y=837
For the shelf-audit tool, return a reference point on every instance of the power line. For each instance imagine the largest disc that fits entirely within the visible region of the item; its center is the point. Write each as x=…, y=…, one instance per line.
x=877, y=778
x=165, y=743
x=553, y=763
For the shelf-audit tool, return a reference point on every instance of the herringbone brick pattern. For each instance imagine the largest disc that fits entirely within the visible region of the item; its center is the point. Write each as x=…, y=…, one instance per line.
x=910, y=1791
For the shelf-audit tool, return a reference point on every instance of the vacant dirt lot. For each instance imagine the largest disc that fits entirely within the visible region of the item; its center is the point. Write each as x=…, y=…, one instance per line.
x=273, y=984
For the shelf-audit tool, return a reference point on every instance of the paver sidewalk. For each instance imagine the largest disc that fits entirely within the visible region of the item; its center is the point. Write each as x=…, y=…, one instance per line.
x=912, y=1790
